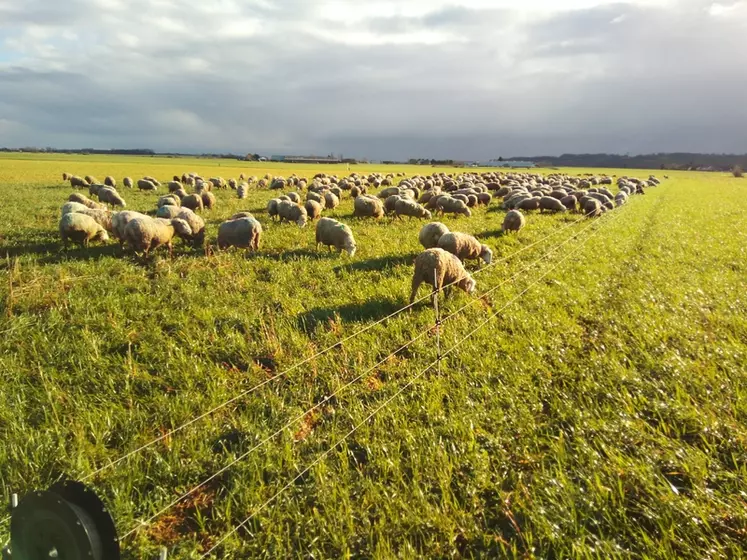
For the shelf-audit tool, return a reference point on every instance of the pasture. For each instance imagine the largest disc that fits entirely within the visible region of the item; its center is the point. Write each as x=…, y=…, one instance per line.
x=603, y=413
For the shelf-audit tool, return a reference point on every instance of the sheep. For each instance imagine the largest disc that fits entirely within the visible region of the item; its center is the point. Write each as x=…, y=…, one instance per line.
x=331, y=233
x=90, y=179
x=551, y=204
x=110, y=181
x=592, y=207
x=448, y=205
x=102, y=217
x=76, y=182
x=240, y=232
x=465, y=247
x=331, y=201
x=390, y=202
x=196, y=224
x=127, y=182
x=146, y=185
x=431, y=233
x=174, y=186
x=313, y=209
x=169, y=200
x=569, y=202
x=193, y=202
x=66, y=176
x=316, y=197
x=83, y=199
x=168, y=211
x=386, y=193
x=120, y=221
x=484, y=198
x=406, y=207
x=439, y=269
x=532, y=203
x=241, y=190
x=81, y=229
x=243, y=214
x=111, y=196
x=181, y=193
x=153, y=180
x=621, y=198
x=146, y=234
x=70, y=207
x=294, y=197
x=368, y=206
x=513, y=221
x=208, y=200
x=471, y=200
x=292, y=212
x=356, y=191
x=272, y=208
x=232, y=182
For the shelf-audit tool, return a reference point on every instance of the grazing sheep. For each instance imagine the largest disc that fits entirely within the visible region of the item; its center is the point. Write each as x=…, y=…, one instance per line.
x=83, y=199
x=292, y=212
x=232, y=182
x=146, y=234
x=465, y=247
x=368, y=206
x=95, y=188
x=70, y=207
x=174, y=186
x=110, y=181
x=513, y=221
x=196, y=224
x=621, y=198
x=313, y=209
x=101, y=216
x=168, y=211
x=431, y=233
x=76, y=181
x=81, y=229
x=120, y=221
x=529, y=203
x=181, y=193
x=193, y=202
x=244, y=232
x=272, y=208
x=439, y=268
x=406, y=207
x=294, y=197
x=90, y=179
x=208, y=200
x=356, y=191
x=592, y=207
x=146, y=185
x=551, y=204
x=241, y=190
x=390, y=202
x=332, y=233
x=484, y=198
x=127, y=182
x=386, y=193
x=111, y=196
x=448, y=205
x=169, y=200
x=331, y=201
x=243, y=214
x=65, y=176
x=569, y=202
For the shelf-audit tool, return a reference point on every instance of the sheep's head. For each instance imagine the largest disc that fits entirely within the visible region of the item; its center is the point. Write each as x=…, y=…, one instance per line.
x=427, y=214
x=466, y=212
x=486, y=254
x=468, y=284
x=101, y=235
x=301, y=221
x=350, y=248
x=182, y=228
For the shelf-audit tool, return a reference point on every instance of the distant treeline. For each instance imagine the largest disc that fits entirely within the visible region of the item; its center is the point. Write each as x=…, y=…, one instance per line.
x=677, y=160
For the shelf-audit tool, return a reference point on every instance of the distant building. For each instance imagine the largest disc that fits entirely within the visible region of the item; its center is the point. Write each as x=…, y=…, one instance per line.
x=306, y=159
x=504, y=163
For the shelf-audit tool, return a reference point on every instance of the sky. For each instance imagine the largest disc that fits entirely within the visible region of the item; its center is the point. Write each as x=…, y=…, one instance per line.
x=381, y=79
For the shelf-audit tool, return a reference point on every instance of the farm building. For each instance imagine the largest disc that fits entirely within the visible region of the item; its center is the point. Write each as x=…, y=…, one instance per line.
x=504, y=163
x=306, y=159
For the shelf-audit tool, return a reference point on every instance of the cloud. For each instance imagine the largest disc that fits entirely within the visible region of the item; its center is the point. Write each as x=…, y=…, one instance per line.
x=381, y=79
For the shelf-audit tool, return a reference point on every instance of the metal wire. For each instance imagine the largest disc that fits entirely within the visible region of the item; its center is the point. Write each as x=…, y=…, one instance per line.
x=246, y=392
x=399, y=392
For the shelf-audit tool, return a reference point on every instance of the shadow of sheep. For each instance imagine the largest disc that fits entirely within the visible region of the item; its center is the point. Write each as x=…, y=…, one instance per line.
x=379, y=263
x=371, y=310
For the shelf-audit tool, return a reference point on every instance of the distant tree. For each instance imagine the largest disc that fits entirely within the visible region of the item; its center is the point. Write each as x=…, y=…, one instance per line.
x=737, y=171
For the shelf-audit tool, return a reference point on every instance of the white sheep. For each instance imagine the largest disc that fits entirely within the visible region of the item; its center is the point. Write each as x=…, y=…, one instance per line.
x=127, y=182
x=245, y=232
x=111, y=196
x=439, y=269
x=431, y=233
x=81, y=229
x=332, y=233
x=292, y=212
x=465, y=247
x=513, y=221
x=407, y=207
x=145, y=234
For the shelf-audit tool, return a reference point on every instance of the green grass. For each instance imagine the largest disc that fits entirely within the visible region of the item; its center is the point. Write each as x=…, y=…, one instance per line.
x=604, y=414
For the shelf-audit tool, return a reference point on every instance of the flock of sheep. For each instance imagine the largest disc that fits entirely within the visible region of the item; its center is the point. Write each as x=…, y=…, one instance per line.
x=176, y=214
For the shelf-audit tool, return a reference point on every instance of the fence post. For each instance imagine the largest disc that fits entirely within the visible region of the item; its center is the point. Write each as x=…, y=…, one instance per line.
x=438, y=321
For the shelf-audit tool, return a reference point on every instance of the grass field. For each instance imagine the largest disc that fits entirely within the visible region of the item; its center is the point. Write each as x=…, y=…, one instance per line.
x=603, y=414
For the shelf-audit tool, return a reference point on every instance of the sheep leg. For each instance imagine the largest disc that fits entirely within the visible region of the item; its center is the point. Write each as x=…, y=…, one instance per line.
x=415, y=285
x=171, y=250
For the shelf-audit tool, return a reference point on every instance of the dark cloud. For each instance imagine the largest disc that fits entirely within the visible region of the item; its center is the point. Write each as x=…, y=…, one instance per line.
x=407, y=79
